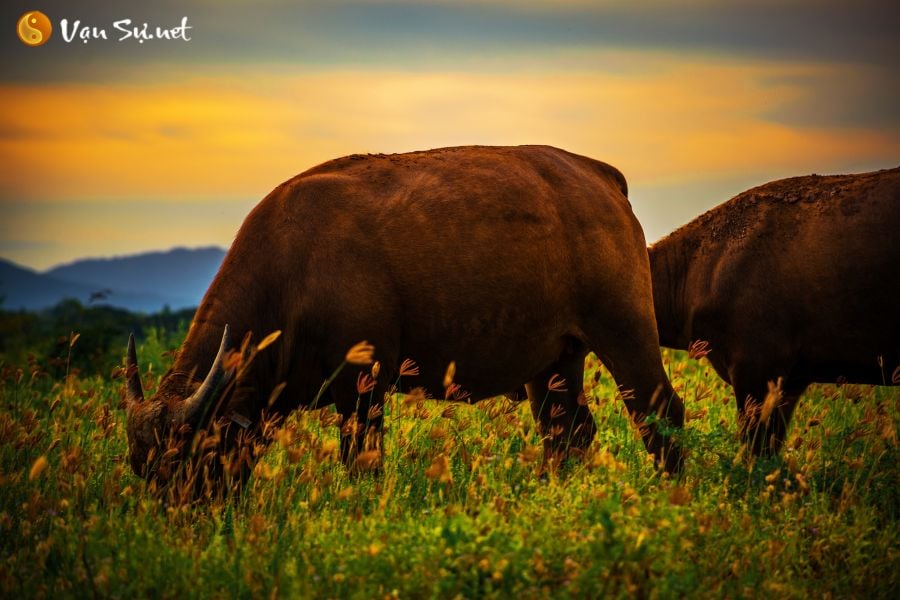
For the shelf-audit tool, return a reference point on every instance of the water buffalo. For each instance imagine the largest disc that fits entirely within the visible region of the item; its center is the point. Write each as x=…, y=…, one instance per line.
x=795, y=280
x=512, y=262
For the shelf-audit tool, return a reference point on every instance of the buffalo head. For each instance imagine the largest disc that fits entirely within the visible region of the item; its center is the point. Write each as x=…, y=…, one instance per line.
x=159, y=427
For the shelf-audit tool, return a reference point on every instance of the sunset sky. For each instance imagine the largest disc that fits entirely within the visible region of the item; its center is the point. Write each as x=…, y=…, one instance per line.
x=117, y=147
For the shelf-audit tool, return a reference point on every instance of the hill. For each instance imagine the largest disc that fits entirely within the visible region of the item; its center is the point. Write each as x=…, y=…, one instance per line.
x=144, y=282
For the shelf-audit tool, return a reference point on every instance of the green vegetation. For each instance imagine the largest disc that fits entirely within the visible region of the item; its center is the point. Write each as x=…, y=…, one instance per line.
x=42, y=340
x=463, y=506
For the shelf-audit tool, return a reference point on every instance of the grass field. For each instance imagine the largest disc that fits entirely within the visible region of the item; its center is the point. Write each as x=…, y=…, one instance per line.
x=462, y=508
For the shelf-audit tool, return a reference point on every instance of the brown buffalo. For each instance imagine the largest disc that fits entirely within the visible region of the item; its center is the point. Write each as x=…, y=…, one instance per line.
x=513, y=262
x=794, y=280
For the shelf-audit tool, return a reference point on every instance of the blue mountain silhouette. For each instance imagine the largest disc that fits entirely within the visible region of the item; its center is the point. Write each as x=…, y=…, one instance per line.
x=145, y=282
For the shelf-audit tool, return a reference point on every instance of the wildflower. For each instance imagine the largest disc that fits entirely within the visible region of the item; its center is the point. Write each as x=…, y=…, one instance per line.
x=556, y=411
x=233, y=361
x=210, y=442
x=571, y=567
x=450, y=374
x=350, y=427
x=692, y=415
x=557, y=384
x=530, y=454
x=698, y=349
x=408, y=368
x=540, y=567
x=368, y=460
x=773, y=398
x=679, y=496
x=415, y=397
x=269, y=340
x=39, y=466
x=376, y=369
x=456, y=393
x=327, y=450
x=264, y=471
x=360, y=354
x=440, y=470
x=625, y=395
x=328, y=419
x=702, y=392
x=364, y=383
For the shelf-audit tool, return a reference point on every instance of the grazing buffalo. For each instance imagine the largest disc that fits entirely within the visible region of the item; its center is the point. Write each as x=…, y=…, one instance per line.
x=511, y=262
x=797, y=280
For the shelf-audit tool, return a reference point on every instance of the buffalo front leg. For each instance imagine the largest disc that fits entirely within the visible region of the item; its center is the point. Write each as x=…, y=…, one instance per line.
x=362, y=427
x=622, y=332
x=764, y=414
x=560, y=409
x=649, y=398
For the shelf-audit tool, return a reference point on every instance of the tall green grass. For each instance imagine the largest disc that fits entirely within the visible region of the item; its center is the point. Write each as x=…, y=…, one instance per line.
x=462, y=508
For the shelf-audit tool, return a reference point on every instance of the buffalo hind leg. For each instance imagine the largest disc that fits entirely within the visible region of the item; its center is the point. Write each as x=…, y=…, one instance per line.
x=560, y=410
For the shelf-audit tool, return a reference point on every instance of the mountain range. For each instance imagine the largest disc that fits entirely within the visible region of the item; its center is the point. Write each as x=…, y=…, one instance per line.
x=145, y=282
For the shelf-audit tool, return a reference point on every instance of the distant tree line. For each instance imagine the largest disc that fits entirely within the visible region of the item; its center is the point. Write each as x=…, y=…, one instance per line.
x=100, y=333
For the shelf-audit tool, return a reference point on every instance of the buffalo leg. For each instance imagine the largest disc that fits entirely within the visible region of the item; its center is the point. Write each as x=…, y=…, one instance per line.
x=775, y=431
x=638, y=371
x=560, y=409
x=362, y=425
x=764, y=430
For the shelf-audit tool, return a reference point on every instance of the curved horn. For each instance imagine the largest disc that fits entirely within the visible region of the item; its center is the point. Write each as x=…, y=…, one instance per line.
x=194, y=407
x=134, y=389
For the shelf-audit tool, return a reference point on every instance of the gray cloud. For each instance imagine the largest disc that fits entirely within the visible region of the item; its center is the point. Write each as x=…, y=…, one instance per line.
x=864, y=98
x=410, y=35
x=506, y=36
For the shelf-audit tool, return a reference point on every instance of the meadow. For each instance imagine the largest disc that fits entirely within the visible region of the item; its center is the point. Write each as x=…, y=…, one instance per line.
x=463, y=506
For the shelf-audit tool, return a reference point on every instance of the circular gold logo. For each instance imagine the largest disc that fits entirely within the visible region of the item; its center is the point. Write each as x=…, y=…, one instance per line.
x=34, y=28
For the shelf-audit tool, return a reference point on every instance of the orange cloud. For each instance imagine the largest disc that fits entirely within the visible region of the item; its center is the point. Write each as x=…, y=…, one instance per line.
x=233, y=135
x=663, y=119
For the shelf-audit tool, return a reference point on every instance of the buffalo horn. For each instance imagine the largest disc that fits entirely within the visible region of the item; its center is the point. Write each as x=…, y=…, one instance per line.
x=194, y=407
x=135, y=392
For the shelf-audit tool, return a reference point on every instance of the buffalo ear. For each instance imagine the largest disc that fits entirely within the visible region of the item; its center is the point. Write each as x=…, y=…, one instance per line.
x=135, y=391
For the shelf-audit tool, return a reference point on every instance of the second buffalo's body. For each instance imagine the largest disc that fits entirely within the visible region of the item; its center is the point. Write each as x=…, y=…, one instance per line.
x=797, y=280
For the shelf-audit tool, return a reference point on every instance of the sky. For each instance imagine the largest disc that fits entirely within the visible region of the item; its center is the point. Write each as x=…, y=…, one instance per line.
x=114, y=147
